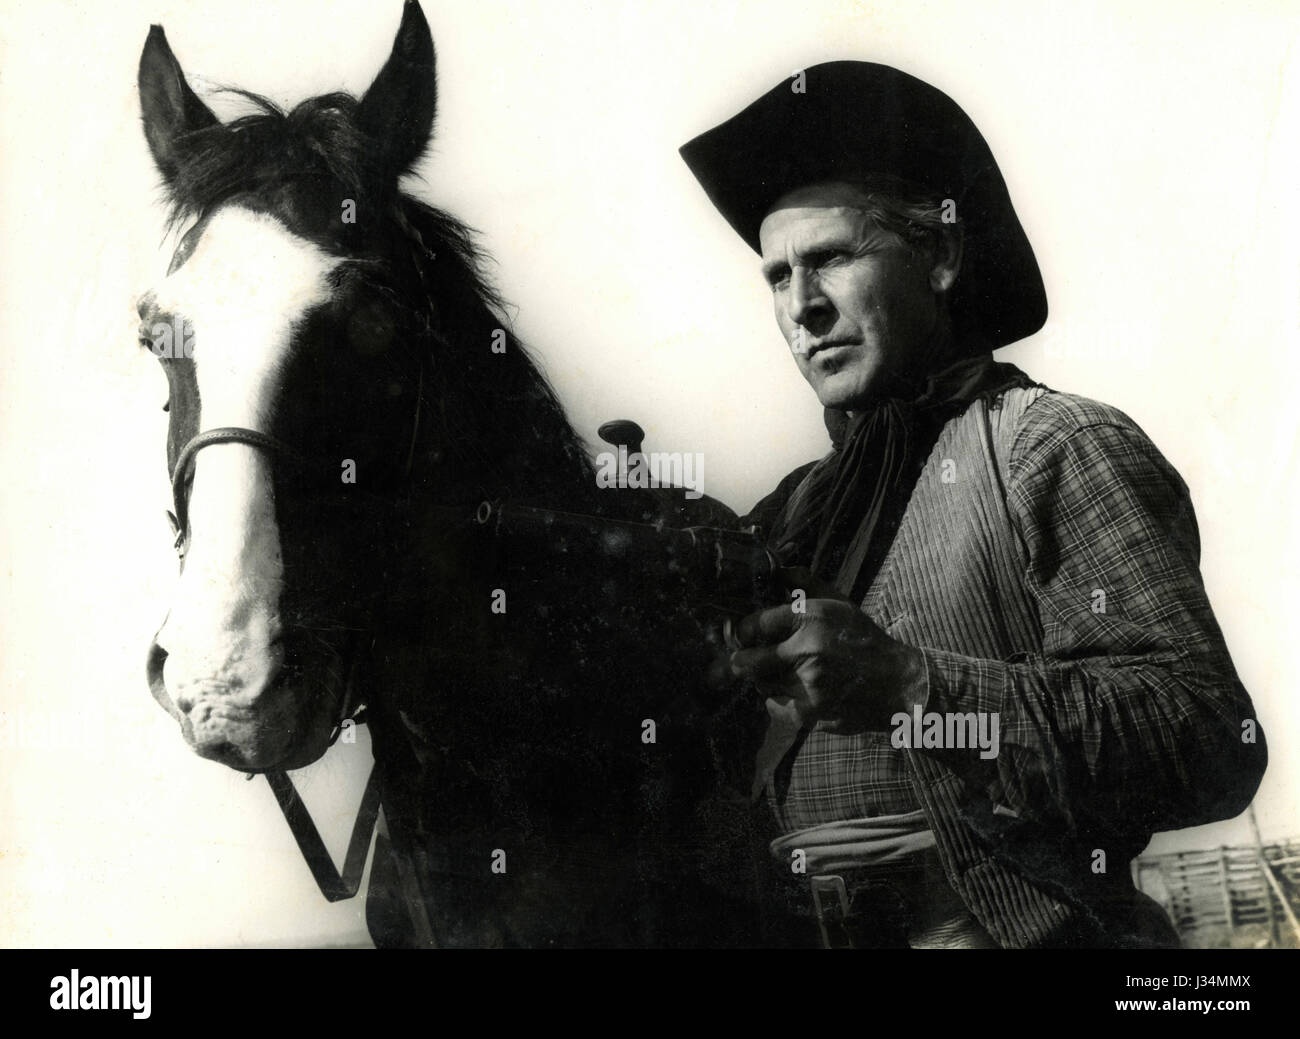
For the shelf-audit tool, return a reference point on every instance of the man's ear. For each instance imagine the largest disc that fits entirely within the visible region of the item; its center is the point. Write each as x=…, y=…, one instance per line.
x=947, y=260
x=397, y=111
x=170, y=109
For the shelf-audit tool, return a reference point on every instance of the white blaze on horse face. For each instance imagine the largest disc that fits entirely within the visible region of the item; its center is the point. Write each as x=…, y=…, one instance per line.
x=242, y=292
x=245, y=286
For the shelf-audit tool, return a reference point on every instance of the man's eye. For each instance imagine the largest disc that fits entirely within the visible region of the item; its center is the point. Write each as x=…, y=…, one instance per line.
x=829, y=259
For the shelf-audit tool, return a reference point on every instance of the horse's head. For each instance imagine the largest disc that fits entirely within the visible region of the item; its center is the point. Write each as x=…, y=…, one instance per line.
x=291, y=316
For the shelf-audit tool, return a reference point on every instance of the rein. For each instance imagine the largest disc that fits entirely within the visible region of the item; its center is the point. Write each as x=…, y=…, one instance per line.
x=335, y=886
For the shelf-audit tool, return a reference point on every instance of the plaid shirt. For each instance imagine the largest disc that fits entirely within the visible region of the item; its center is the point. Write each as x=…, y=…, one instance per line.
x=1048, y=567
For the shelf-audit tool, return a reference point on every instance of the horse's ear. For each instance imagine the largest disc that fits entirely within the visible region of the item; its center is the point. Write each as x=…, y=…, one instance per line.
x=397, y=111
x=169, y=107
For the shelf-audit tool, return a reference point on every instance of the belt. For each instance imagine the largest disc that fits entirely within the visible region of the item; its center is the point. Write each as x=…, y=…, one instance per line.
x=874, y=882
x=844, y=923
x=909, y=910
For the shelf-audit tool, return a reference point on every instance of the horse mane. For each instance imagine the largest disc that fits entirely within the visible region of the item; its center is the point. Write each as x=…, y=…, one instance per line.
x=526, y=433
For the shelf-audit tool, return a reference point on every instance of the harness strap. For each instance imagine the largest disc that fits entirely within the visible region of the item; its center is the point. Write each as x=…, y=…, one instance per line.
x=220, y=435
x=333, y=885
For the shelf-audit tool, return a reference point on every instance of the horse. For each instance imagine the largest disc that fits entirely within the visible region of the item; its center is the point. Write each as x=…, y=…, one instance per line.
x=343, y=395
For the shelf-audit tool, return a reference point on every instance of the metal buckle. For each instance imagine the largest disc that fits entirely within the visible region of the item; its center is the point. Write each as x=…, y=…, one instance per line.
x=832, y=918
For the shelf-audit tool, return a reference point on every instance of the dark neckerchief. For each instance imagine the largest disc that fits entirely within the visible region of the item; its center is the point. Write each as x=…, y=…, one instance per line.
x=842, y=518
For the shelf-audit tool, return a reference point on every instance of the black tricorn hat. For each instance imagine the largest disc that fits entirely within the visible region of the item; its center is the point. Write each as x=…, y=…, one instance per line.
x=849, y=120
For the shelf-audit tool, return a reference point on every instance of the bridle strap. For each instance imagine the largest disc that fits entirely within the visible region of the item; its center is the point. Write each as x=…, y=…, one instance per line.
x=335, y=886
x=219, y=435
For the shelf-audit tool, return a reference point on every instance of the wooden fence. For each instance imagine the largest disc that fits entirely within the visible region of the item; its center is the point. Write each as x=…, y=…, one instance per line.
x=1238, y=897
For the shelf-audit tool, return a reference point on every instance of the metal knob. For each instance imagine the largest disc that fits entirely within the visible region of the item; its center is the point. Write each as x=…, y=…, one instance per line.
x=622, y=432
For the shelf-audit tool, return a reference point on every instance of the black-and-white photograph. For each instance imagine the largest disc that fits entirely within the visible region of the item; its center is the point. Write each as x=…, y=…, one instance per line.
x=649, y=476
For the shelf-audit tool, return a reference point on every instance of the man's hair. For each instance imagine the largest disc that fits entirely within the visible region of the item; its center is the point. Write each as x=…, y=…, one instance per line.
x=913, y=214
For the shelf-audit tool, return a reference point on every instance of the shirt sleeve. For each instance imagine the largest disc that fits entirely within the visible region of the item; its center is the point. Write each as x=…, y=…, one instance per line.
x=1132, y=717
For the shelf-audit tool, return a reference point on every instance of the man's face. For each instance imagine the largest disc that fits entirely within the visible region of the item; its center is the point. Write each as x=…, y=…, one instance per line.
x=857, y=307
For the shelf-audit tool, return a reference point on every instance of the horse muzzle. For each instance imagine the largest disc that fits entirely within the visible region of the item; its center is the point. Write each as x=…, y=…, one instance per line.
x=250, y=718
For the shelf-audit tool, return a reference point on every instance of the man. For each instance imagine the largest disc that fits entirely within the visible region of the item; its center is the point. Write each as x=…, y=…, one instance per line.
x=999, y=674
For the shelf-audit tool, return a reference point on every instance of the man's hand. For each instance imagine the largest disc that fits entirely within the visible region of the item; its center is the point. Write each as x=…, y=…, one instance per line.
x=825, y=659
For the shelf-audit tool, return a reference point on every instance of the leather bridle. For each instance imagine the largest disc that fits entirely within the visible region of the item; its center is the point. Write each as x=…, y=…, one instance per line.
x=351, y=709
x=221, y=435
x=333, y=884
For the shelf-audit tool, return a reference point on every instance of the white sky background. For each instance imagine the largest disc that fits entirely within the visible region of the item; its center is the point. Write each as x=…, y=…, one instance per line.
x=1152, y=157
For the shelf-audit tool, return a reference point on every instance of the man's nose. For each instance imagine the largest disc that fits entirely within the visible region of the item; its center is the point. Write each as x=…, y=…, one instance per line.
x=805, y=297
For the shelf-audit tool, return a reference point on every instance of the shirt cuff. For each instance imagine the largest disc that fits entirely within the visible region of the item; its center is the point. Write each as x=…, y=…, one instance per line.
x=960, y=684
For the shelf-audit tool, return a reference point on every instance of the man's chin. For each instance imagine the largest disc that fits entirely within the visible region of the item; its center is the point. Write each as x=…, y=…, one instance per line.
x=845, y=391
